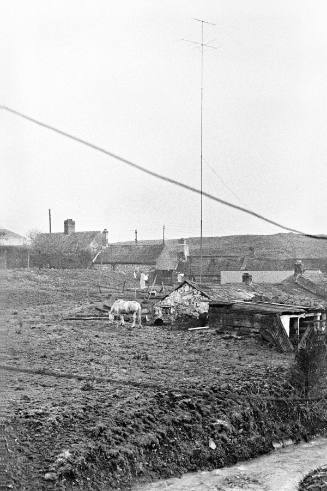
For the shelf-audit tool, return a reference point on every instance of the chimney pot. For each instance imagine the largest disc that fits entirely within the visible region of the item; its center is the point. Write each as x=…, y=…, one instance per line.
x=105, y=238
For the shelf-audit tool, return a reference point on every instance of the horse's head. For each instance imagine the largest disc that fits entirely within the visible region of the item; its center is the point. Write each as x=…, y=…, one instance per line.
x=111, y=317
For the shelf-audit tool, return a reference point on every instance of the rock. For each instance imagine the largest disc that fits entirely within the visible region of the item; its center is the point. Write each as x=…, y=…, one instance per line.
x=87, y=386
x=224, y=425
x=50, y=476
x=277, y=445
x=212, y=444
x=65, y=454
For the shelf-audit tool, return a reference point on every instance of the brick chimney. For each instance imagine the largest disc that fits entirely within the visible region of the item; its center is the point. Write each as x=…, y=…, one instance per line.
x=247, y=279
x=69, y=226
x=105, y=238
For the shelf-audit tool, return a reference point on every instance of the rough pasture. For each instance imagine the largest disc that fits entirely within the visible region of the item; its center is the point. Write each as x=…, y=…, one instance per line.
x=129, y=406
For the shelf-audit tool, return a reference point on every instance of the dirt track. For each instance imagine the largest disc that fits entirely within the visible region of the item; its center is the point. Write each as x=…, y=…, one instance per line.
x=101, y=407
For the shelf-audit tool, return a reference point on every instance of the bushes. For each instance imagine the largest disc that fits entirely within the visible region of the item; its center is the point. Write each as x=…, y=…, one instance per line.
x=309, y=371
x=59, y=260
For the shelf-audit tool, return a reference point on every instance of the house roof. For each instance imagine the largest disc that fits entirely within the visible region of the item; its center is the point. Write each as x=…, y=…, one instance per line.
x=288, y=292
x=281, y=246
x=6, y=235
x=61, y=242
x=4, y=232
x=316, y=277
x=167, y=260
x=212, y=265
x=130, y=254
x=267, y=308
x=219, y=292
x=268, y=264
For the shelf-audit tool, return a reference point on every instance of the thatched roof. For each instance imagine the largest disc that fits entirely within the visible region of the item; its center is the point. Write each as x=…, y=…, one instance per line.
x=130, y=254
x=65, y=243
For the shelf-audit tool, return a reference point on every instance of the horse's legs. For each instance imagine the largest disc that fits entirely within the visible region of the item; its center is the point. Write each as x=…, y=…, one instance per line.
x=134, y=319
x=122, y=322
x=140, y=317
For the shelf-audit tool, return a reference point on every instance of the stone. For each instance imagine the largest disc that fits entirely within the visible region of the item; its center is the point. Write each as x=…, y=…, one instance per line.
x=50, y=476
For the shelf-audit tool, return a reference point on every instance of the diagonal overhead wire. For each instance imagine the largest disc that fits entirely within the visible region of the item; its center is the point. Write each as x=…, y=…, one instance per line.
x=223, y=182
x=157, y=175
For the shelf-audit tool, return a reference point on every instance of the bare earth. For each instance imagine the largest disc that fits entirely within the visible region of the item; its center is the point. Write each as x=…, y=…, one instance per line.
x=95, y=406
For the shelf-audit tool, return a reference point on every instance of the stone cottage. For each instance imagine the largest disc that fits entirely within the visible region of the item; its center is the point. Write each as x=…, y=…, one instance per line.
x=161, y=263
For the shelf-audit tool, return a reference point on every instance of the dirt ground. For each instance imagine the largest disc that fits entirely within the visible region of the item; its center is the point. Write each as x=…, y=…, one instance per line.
x=98, y=406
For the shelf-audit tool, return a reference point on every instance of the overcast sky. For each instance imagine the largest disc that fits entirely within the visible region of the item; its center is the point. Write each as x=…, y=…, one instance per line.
x=118, y=74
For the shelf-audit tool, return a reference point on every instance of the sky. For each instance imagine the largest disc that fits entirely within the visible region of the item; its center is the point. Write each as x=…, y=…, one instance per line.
x=119, y=75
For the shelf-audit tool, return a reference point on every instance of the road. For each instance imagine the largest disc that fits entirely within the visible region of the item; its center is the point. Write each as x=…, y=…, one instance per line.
x=281, y=470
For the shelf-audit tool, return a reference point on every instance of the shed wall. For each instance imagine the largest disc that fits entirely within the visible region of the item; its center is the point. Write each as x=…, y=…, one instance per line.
x=13, y=257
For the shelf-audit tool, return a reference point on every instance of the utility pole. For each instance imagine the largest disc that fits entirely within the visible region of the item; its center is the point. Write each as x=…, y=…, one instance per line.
x=49, y=221
x=135, y=236
x=163, y=234
x=203, y=45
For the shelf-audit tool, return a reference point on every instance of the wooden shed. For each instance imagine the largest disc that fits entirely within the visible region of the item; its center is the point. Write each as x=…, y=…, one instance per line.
x=283, y=325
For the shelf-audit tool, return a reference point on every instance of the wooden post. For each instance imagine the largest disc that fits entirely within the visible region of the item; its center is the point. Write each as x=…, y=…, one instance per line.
x=49, y=221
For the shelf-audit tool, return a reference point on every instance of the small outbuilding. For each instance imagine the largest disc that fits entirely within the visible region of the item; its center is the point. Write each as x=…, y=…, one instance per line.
x=282, y=325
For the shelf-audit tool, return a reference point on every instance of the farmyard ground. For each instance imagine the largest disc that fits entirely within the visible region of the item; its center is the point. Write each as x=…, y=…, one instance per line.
x=103, y=407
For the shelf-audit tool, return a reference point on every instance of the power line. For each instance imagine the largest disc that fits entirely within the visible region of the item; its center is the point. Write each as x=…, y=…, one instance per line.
x=159, y=176
x=222, y=181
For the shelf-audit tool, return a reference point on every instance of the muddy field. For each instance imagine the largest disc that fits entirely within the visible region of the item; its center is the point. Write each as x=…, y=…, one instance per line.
x=104, y=407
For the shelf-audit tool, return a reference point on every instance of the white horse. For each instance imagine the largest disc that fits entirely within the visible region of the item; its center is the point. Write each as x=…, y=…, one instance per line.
x=121, y=307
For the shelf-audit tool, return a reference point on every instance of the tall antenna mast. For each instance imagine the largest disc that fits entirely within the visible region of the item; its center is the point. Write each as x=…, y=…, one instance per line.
x=203, y=45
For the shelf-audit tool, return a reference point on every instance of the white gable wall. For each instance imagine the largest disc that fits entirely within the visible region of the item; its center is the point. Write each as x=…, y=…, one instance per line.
x=257, y=276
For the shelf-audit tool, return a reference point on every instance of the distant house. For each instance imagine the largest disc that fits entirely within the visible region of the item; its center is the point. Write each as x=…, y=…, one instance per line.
x=209, y=268
x=13, y=250
x=67, y=249
x=161, y=262
x=313, y=282
x=230, y=269
x=290, y=308
x=9, y=238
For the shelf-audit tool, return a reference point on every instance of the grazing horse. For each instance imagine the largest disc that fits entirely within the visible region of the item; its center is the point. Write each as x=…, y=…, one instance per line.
x=121, y=307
